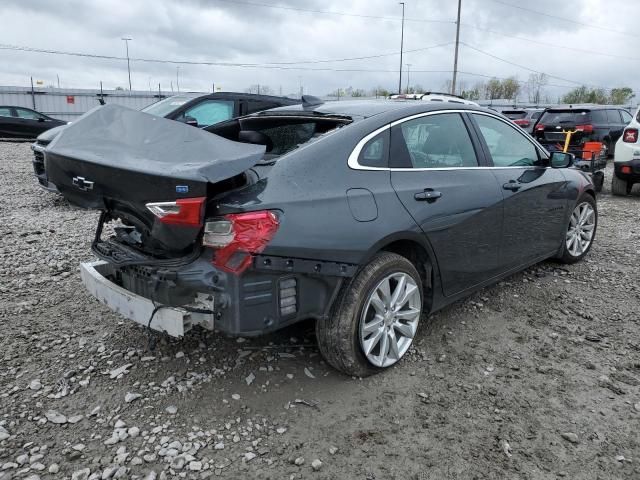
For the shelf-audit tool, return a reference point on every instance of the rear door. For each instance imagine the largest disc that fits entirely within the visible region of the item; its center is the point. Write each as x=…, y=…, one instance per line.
x=616, y=124
x=438, y=176
x=535, y=196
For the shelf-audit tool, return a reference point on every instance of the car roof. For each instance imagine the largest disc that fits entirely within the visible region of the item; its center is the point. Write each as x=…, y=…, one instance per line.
x=586, y=106
x=370, y=108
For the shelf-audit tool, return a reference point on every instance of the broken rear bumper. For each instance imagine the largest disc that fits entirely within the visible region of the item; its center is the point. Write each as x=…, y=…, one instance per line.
x=175, y=321
x=278, y=293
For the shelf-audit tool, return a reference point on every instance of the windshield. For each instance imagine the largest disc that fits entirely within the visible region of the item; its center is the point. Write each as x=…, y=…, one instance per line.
x=166, y=106
x=556, y=117
x=514, y=114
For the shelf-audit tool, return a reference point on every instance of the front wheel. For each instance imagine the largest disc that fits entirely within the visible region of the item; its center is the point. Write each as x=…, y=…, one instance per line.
x=581, y=230
x=375, y=317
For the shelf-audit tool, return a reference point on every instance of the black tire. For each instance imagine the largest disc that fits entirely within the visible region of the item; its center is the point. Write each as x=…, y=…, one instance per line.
x=338, y=335
x=611, y=146
x=619, y=186
x=567, y=256
x=598, y=180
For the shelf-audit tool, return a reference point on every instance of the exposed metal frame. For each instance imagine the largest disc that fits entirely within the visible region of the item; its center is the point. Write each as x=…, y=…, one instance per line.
x=355, y=154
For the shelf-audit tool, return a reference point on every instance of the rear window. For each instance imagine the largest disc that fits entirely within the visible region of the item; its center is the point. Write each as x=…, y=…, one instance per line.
x=514, y=114
x=558, y=117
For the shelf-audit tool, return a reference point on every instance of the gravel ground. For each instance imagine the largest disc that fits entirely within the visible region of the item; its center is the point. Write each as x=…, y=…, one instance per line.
x=535, y=378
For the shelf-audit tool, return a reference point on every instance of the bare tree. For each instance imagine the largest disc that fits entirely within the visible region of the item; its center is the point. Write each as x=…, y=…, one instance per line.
x=535, y=86
x=259, y=89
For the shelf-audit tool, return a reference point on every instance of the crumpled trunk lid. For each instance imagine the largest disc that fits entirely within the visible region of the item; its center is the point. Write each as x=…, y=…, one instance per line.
x=117, y=160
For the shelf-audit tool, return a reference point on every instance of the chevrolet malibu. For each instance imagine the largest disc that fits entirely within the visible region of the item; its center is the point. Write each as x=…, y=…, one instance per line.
x=365, y=216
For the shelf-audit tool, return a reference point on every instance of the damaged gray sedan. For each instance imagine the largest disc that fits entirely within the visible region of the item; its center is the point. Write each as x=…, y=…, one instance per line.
x=365, y=216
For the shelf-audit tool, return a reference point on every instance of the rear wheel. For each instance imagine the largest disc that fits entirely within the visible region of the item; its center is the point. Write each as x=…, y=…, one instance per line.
x=375, y=317
x=581, y=230
x=619, y=186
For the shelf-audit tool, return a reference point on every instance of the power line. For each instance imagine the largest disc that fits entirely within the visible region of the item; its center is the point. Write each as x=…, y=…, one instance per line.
x=208, y=63
x=331, y=12
x=547, y=44
x=211, y=63
x=570, y=20
x=525, y=67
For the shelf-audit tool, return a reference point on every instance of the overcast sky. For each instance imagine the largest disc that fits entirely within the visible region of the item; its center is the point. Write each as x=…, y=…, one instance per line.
x=252, y=32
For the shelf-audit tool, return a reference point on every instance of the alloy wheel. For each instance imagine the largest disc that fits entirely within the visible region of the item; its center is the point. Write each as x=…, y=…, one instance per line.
x=390, y=319
x=581, y=228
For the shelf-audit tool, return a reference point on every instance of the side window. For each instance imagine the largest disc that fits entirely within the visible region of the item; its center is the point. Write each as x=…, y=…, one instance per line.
x=5, y=112
x=536, y=115
x=375, y=152
x=210, y=112
x=626, y=116
x=260, y=105
x=614, y=117
x=28, y=114
x=599, y=117
x=508, y=147
x=432, y=141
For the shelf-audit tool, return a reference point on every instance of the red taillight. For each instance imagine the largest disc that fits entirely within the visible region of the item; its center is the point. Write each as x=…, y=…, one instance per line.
x=584, y=128
x=522, y=122
x=630, y=135
x=539, y=127
x=626, y=169
x=239, y=236
x=187, y=212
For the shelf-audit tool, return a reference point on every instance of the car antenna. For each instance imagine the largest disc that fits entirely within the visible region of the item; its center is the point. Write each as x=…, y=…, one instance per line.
x=311, y=101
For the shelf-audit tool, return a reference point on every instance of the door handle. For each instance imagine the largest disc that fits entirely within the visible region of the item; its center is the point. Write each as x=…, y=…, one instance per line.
x=512, y=185
x=428, y=195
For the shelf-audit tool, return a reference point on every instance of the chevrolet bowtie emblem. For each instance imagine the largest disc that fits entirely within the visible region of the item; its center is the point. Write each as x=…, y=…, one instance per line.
x=82, y=184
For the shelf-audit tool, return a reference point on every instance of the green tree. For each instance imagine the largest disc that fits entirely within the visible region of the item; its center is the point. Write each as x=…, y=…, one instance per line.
x=621, y=96
x=510, y=88
x=494, y=89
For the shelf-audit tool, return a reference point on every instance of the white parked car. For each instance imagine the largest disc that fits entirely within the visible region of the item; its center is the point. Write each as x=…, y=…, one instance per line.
x=433, y=97
x=626, y=160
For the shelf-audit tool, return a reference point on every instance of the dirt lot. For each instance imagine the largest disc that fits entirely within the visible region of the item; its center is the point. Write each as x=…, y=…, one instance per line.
x=535, y=378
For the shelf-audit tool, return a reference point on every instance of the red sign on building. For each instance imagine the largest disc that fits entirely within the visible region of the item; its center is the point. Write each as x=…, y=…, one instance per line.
x=71, y=99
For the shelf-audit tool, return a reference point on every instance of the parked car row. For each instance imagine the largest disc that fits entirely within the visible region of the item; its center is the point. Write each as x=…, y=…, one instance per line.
x=364, y=216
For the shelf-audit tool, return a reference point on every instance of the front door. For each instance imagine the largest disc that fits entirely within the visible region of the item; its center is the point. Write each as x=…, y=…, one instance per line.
x=535, y=196
x=457, y=203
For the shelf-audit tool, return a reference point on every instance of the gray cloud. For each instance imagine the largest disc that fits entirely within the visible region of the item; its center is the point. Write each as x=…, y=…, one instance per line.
x=221, y=31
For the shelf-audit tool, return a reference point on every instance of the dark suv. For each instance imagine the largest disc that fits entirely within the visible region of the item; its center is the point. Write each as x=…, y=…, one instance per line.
x=591, y=123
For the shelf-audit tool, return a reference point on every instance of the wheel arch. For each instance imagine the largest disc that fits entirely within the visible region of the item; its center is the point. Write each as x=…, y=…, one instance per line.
x=415, y=248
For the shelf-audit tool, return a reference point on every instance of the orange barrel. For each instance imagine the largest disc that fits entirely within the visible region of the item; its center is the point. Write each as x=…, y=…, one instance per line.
x=591, y=150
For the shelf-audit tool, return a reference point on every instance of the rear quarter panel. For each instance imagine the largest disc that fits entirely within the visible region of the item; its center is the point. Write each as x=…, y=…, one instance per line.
x=309, y=186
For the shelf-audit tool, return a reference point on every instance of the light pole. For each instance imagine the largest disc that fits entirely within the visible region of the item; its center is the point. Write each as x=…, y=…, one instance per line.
x=126, y=42
x=455, y=56
x=178, y=78
x=408, y=72
x=401, y=48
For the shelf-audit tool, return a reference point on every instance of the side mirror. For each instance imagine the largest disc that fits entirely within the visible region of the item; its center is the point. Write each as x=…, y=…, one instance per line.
x=190, y=121
x=41, y=119
x=561, y=159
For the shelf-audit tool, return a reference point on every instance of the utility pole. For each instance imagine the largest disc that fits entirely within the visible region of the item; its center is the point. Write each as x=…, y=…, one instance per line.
x=126, y=42
x=58, y=77
x=408, y=73
x=455, y=56
x=178, y=78
x=401, y=48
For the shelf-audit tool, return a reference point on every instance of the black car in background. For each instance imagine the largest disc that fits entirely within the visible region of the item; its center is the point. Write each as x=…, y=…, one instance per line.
x=591, y=123
x=193, y=109
x=204, y=110
x=21, y=122
x=364, y=216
